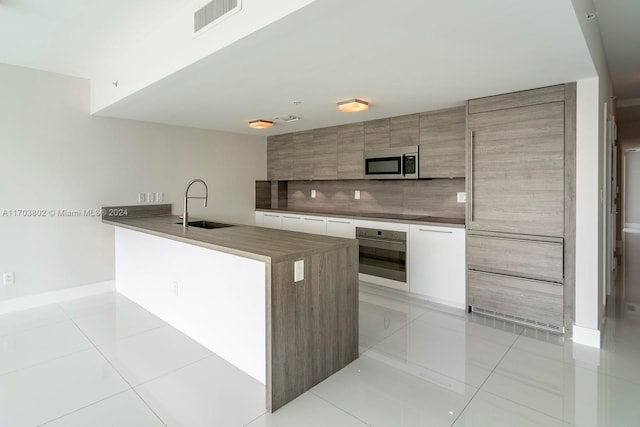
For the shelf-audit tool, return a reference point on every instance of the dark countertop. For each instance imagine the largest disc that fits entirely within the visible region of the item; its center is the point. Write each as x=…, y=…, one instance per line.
x=391, y=217
x=258, y=243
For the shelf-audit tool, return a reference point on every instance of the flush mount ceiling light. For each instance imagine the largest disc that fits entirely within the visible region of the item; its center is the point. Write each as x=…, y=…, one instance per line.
x=352, y=106
x=260, y=124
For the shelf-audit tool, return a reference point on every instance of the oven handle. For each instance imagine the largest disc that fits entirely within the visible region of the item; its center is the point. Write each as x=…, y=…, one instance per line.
x=395, y=242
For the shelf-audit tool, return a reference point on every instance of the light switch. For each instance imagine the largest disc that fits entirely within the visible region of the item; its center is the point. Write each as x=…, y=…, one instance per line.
x=298, y=270
x=141, y=197
x=356, y=194
x=462, y=197
x=313, y=194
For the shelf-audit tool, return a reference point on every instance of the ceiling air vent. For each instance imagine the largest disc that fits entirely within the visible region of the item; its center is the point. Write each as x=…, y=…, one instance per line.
x=214, y=12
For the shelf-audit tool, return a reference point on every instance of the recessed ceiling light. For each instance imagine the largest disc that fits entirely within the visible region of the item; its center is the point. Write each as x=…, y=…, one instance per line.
x=352, y=106
x=260, y=124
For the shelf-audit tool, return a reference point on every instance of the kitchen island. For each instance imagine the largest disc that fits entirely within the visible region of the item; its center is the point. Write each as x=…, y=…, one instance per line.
x=281, y=306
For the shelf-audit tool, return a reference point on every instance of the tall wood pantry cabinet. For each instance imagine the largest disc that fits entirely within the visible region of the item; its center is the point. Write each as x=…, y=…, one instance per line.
x=521, y=205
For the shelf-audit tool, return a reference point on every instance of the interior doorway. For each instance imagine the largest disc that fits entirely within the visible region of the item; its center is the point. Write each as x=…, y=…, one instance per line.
x=631, y=230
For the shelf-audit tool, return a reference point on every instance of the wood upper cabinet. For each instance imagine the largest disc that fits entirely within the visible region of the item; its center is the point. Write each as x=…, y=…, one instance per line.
x=325, y=153
x=401, y=131
x=376, y=134
x=515, y=181
x=443, y=143
x=404, y=131
x=280, y=150
x=302, y=155
x=350, y=151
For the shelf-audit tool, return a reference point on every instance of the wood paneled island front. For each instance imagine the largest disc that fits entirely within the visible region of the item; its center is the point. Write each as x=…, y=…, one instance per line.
x=233, y=290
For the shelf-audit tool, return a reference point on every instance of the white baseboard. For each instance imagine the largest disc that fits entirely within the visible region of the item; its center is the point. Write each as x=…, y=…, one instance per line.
x=586, y=336
x=53, y=297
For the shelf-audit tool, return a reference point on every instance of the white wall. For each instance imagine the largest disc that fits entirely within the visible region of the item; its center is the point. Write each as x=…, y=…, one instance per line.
x=56, y=156
x=591, y=212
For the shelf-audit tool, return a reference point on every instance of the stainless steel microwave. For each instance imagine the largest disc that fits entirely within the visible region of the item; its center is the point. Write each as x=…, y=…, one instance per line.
x=392, y=163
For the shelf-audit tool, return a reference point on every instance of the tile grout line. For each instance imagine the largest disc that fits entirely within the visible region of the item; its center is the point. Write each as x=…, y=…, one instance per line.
x=487, y=379
x=83, y=407
x=119, y=374
x=339, y=408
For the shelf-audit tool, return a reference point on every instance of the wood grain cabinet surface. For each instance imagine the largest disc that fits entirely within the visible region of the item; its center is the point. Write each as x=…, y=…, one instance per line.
x=280, y=150
x=325, y=153
x=516, y=170
x=443, y=143
x=351, y=151
x=520, y=181
x=338, y=152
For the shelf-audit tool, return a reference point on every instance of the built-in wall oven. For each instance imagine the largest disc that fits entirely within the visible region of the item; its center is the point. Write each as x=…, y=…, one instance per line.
x=383, y=253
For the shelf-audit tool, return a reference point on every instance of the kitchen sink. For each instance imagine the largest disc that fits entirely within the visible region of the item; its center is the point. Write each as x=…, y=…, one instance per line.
x=206, y=224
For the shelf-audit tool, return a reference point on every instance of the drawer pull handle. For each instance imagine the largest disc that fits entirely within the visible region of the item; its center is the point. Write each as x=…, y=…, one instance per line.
x=436, y=231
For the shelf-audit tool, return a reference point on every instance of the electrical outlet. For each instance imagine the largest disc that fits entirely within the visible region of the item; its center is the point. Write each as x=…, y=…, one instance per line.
x=462, y=197
x=141, y=198
x=298, y=270
x=313, y=194
x=9, y=279
x=356, y=194
x=175, y=289
x=151, y=197
x=159, y=196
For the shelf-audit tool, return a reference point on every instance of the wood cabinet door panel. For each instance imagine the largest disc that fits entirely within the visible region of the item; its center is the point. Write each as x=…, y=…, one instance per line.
x=524, y=98
x=521, y=257
x=524, y=298
x=443, y=143
x=280, y=152
x=376, y=135
x=351, y=151
x=404, y=131
x=325, y=153
x=516, y=170
x=303, y=155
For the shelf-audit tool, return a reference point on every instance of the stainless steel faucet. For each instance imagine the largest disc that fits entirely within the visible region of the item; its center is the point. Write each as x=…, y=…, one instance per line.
x=185, y=215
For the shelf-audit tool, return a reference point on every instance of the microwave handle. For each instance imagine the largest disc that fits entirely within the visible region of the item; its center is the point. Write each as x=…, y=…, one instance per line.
x=402, y=164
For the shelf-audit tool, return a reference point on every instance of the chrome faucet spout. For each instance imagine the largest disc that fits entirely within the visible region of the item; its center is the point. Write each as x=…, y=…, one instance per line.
x=185, y=215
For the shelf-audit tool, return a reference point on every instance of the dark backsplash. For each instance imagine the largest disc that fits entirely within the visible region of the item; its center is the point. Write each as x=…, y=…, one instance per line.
x=435, y=197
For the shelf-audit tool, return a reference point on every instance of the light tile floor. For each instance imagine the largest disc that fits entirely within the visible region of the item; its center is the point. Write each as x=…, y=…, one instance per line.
x=104, y=361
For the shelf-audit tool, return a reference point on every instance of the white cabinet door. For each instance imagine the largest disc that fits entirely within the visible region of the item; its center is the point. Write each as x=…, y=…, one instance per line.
x=259, y=219
x=314, y=224
x=437, y=263
x=341, y=227
x=292, y=222
x=272, y=220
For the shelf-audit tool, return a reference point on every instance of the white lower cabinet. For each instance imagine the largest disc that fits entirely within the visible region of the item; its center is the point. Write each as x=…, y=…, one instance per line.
x=436, y=263
x=314, y=224
x=259, y=218
x=341, y=227
x=292, y=222
x=272, y=220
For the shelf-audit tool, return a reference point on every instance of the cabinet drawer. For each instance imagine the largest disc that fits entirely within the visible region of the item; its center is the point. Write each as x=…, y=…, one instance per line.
x=524, y=298
x=521, y=257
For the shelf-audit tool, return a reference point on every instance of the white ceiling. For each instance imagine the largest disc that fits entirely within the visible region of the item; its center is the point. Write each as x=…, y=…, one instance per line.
x=403, y=57
x=619, y=22
x=72, y=36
